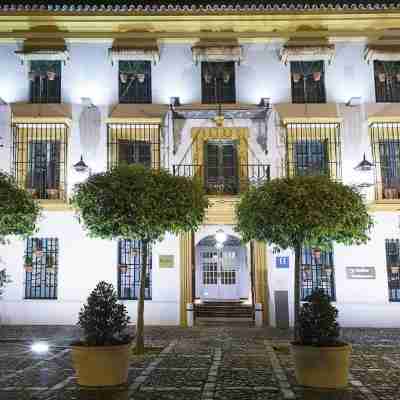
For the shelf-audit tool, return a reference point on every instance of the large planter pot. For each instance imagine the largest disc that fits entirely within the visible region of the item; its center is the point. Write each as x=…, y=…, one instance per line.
x=322, y=367
x=101, y=365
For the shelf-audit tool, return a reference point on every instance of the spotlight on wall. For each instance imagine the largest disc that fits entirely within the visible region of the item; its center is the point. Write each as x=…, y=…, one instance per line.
x=2, y=102
x=174, y=101
x=220, y=236
x=40, y=347
x=81, y=166
x=354, y=102
x=265, y=102
x=87, y=102
x=364, y=165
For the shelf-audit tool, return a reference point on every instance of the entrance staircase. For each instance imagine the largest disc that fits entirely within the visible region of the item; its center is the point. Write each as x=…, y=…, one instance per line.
x=223, y=313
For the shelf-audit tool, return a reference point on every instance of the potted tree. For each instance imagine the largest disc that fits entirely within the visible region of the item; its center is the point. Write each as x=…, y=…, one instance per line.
x=321, y=359
x=102, y=357
x=124, y=203
x=303, y=211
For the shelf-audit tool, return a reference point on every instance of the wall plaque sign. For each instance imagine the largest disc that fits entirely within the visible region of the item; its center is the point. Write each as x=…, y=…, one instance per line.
x=360, y=272
x=282, y=262
x=166, y=261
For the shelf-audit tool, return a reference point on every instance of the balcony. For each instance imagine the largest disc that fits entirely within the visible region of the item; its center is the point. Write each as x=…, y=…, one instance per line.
x=249, y=174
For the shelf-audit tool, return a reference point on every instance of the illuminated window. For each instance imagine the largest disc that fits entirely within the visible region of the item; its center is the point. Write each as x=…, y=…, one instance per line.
x=39, y=159
x=387, y=81
x=307, y=79
x=218, y=82
x=45, y=81
x=129, y=269
x=135, y=82
x=41, y=268
x=317, y=272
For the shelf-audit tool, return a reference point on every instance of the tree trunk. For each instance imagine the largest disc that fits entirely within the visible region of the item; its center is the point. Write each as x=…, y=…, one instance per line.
x=139, y=347
x=297, y=262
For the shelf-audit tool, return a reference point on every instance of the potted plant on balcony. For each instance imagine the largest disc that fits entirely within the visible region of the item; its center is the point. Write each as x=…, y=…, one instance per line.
x=50, y=263
x=28, y=264
x=102, y=357
x=321, y=359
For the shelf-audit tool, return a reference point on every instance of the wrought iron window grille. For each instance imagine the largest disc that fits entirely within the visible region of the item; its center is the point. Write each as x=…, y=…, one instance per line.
x=45, y=81
x=392, y=247
x=41, y=268
x=218, y=82
x=39, y=156
x=387, y=81
x=135, y=82
x=317, y=272
x=385, y=140
x=134, y=144
x=129, y=270
x=308, y=82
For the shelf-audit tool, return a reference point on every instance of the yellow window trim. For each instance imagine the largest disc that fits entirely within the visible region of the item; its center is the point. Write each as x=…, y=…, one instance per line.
x=311, y=120
x=138, y=120
x=41, y=120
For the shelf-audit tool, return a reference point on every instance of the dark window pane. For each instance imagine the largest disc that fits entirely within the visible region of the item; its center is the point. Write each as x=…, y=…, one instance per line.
x=387, y=81
x=41, y=268
x=393, y=268
x=311, y=157
x=218, y=82
x=45, y=81
x=134, y=152
x=307, y=79
x=130, y=267
x=134, y=82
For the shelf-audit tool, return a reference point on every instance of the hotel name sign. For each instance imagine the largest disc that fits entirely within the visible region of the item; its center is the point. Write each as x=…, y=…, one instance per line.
x=360, y=272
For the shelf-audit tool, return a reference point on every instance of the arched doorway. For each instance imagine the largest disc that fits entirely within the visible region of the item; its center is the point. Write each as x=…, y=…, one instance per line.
x=221, y=272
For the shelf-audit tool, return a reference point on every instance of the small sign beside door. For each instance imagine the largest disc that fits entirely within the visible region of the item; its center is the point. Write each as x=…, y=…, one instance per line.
x=166, y=261
x=282, y=262
x=360, y=272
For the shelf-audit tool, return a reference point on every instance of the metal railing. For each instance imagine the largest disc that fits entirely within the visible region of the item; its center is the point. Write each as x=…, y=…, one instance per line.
x=248, y=174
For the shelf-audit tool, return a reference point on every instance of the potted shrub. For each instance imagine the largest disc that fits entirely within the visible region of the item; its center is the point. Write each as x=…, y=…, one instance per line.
x=123, y=268
x=28, y=264
x=321, y=359
x=102, y=357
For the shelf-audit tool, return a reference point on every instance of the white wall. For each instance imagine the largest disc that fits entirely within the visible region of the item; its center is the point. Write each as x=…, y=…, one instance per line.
x=84, y=261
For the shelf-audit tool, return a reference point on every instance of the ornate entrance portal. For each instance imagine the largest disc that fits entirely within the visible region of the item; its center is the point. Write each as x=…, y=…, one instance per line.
x=221, y=272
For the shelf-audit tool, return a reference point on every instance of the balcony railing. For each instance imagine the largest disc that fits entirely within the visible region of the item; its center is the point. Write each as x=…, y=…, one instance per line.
x=249, y=174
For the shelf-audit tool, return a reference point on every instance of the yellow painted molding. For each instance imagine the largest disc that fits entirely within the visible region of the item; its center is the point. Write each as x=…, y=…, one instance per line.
x=382, y=119
x=55, y=205
x=384, y=205
x=312, y=120
x=186, y=266
x=221, y=210
x=261, y=277
x=134, y=120
x=41, y=120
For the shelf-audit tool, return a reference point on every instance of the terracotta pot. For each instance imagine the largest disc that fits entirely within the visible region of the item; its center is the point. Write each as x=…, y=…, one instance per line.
x=38, y=253
x=28, y=268
x=51, y=75
x=296, y=77
x=382, y=77
x=101, y=365
x=317, y=76
x=140, y=77
x=123, y=78
x=317, y=253
x=123, y=269
x=322, y=367
x=33, y=193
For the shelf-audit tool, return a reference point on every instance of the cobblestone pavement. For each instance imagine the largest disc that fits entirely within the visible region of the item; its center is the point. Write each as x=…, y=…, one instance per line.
x=205, y=363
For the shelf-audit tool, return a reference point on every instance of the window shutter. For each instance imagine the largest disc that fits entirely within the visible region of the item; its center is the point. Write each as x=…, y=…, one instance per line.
x=212, y=163
x=53, y=166
x=229, y=166
x=144, y=153
x=123, y=151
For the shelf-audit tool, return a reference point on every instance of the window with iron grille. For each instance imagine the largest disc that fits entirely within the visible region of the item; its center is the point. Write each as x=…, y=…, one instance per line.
x=385, y=140
x=134, y=82
x=387, y=81
x=313, y=149
x=393, y=268
x=129, y=269
x=39, y=159
x=45, y=81
x=41, y=268
x=221, y=167
x=218, y=82
x=317, y=272
x=134, y=144
x=308, y=82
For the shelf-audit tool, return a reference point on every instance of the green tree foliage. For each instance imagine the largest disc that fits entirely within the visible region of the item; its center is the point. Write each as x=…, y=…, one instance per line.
x=18, y=210
x=103, y=319
x=303, y=210
x=317, y=321
x=134, y=202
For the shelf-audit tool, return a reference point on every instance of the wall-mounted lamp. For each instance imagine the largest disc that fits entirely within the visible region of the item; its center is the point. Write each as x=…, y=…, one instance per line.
x=265, y=102
x=174, y=101
x=220, y=236
x=2, y=102
x=354, y=102
x=87, y=102
x=81, y=166
x=364, y=165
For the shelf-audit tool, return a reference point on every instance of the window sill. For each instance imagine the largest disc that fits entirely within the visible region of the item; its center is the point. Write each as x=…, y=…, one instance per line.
x=55, y=205
x=385, y=205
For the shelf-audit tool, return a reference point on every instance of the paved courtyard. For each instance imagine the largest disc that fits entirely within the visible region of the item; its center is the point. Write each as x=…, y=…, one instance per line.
x=205, y=363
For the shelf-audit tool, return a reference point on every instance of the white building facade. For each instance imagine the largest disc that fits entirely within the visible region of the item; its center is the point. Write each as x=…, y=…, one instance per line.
x=235, y=109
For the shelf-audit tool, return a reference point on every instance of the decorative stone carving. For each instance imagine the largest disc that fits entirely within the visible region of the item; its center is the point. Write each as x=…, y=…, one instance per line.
x=217, y=51
x=382, y=53
x=307, y=53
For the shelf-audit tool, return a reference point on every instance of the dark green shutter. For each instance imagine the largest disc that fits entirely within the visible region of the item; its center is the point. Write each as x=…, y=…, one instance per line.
x=229, y=167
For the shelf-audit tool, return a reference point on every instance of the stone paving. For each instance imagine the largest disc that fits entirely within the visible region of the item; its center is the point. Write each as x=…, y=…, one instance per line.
x=205, y=363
